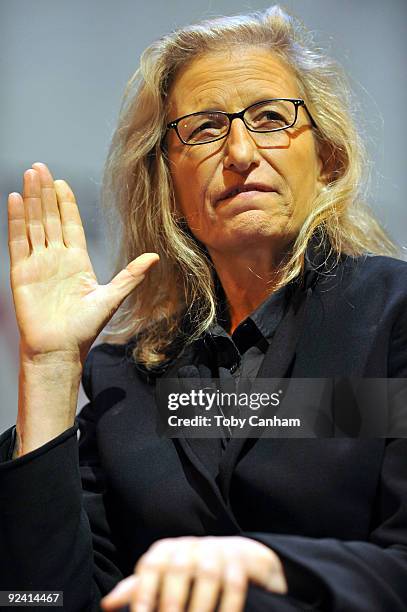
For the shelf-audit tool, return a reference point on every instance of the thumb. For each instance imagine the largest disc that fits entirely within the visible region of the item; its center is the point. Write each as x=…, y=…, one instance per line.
x=130, y=277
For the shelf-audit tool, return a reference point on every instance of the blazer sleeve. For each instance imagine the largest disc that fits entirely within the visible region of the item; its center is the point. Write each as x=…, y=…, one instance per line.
x=360, y=576
x=54, y=533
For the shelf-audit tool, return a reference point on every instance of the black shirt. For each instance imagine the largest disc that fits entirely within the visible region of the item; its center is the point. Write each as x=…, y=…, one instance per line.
x=238, y=356
x=242, y=353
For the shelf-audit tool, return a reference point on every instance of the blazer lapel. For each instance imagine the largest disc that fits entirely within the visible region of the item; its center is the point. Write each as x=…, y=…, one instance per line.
x=276, y=365
x=189, y=365
x=280, y=355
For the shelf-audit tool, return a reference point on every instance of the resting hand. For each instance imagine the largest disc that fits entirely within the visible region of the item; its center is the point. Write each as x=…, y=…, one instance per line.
x=198, y=572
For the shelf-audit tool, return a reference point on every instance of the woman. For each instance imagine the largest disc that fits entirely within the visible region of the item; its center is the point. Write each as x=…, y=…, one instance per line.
x=236, y=169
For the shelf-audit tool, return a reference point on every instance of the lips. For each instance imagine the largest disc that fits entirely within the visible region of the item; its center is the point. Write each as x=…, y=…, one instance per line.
x=236, y=189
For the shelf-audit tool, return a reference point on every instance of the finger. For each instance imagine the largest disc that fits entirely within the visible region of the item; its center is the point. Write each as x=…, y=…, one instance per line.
x=266, y=570
x=50, y=210
x=235, y=585
x=146, y=596
x=177, y=580
x=19, y=247
x=72, y=228
x=126, y=280
x=150, y=569
x=121, y=594
x=33, y=209
x=208, y=582
x=134, y=270
x=277, y=583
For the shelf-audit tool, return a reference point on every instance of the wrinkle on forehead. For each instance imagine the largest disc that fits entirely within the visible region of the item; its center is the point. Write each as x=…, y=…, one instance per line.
x=225, y=81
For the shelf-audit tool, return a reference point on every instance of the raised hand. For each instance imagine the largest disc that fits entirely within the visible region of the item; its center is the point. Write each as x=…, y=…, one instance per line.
x=60, y=307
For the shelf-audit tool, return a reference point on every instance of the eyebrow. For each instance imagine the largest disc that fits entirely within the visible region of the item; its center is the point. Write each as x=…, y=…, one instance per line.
x=214, y=109
x=208, y=109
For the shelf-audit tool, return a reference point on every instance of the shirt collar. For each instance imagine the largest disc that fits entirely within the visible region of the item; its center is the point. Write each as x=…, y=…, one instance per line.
x=262, y=323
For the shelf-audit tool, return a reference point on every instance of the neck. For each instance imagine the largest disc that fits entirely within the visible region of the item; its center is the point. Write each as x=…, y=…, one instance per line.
x=247, y=280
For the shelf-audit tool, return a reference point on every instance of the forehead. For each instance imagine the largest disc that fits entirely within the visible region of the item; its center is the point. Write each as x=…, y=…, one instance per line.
x=230, y=80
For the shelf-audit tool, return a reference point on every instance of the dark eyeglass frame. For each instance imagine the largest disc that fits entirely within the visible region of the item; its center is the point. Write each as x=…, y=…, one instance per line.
x=240, y=115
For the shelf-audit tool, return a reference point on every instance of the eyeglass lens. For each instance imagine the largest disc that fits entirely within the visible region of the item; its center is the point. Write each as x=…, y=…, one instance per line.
x=264, y=117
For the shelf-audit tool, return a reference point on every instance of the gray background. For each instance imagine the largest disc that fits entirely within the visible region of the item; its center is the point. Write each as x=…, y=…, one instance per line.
x=64, y=65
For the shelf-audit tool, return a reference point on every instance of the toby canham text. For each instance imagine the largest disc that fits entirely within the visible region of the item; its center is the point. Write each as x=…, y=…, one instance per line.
x=232, y=421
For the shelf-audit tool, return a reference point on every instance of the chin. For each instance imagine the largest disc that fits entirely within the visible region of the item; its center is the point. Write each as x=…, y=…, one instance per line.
x=253, y=236
x=256, y=224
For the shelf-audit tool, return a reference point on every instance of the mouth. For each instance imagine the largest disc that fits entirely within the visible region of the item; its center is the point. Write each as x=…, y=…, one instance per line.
x=248, y=189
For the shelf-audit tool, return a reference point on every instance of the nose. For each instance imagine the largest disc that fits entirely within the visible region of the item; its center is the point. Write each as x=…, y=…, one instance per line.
x=240, y=149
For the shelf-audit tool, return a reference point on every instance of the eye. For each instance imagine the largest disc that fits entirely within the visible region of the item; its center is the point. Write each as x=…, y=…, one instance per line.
x=202, y=127
x=207, y=125
x=271, y=115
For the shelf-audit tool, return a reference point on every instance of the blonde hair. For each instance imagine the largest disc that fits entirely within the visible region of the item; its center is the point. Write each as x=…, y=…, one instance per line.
x=138, y=196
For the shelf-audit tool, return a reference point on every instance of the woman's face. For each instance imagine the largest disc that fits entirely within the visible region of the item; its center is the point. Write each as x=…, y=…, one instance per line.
x=287, y=163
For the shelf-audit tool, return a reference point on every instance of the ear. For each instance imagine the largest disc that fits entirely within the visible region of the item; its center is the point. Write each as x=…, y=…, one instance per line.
x=326, y=163
x=178, y=214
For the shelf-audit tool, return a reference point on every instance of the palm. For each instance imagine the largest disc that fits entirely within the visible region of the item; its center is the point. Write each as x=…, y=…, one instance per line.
x=58, y=302
x=55, y=296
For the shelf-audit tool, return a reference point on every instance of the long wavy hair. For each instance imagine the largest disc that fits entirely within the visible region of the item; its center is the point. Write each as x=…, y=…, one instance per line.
x=138, y=198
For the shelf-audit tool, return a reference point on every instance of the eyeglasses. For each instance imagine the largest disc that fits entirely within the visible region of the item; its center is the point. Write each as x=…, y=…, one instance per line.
x=266, y=116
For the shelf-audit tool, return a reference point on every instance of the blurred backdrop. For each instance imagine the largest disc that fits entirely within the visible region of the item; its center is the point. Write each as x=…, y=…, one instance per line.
x=63, y=68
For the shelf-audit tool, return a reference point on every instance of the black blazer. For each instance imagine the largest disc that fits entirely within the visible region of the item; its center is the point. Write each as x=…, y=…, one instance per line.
x=334, y=510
